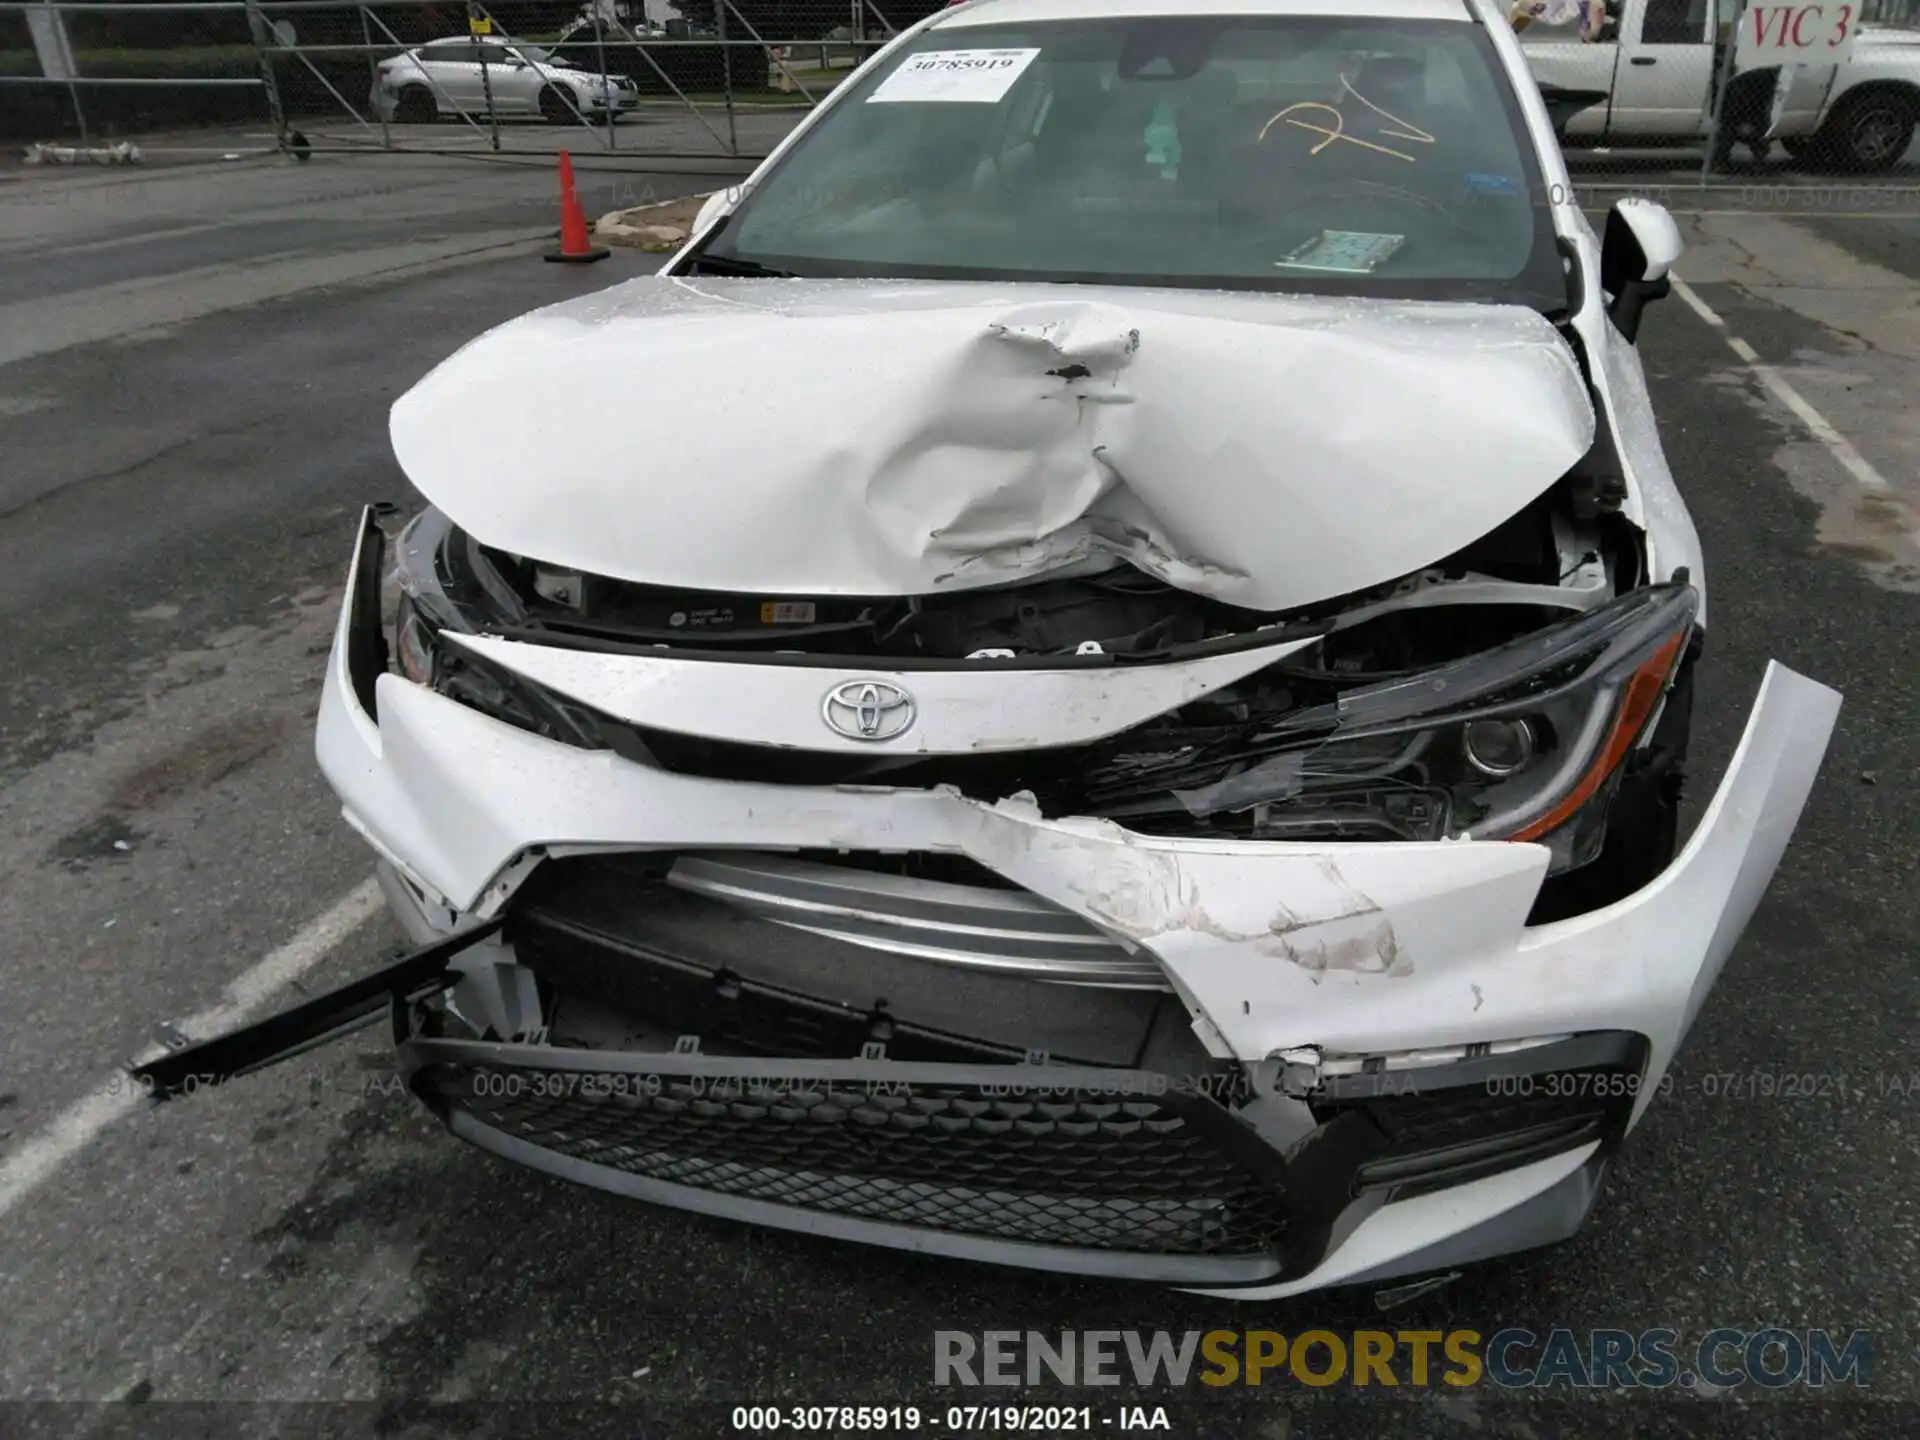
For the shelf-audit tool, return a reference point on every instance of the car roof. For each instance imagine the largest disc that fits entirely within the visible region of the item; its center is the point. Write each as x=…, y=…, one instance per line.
x=980, y=13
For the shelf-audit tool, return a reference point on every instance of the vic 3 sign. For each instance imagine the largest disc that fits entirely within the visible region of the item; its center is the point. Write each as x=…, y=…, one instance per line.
x=1796, y=34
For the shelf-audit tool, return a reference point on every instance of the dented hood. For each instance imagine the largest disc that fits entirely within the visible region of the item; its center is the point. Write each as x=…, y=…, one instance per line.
x=856, y=438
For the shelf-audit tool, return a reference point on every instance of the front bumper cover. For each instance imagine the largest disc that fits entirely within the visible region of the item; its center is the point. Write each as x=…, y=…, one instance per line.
x=1274, y=949
x=1124, y=1173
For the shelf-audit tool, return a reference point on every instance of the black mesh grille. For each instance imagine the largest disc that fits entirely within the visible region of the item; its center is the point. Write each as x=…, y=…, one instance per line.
x=1518, y=1102
x=1448, y=1136
x=1097, y=1171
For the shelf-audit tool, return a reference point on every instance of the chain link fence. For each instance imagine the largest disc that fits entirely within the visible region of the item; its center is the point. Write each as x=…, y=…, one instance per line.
x=663, y=77
x=1644, y=93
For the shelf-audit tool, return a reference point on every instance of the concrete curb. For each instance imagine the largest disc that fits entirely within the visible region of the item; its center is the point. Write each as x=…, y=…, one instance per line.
x=125, y=153
x=662, y=225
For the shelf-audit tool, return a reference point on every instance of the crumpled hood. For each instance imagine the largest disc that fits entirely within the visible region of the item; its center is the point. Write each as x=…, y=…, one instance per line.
x=861, y=438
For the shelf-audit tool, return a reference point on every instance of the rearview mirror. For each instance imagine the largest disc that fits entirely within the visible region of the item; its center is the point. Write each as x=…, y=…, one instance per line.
x=1639, y=248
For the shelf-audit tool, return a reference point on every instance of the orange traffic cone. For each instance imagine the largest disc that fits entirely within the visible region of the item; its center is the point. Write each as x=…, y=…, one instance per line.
x=576, y=246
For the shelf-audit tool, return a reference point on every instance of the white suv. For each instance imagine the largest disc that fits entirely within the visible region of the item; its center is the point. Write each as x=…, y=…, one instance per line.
x=472, y=76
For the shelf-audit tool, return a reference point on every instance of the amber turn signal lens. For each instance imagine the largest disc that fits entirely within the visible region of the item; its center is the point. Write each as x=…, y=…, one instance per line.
x=1643, y=693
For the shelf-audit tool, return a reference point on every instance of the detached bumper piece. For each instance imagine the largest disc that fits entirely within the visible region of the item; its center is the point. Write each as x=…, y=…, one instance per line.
x=194, y=1066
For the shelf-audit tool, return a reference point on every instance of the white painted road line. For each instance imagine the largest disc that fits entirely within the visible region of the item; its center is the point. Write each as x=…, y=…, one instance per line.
x=1841, y=448
x=43, y=325
x=78, y=1126
x=1696, y=304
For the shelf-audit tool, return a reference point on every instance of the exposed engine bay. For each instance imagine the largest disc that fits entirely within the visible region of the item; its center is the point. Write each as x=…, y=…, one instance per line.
x=1110, y=609
x=1335, y=743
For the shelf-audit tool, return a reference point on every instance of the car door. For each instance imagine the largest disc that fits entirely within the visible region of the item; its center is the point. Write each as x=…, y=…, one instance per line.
x=1666, y=70
x=1570, y=70
x=1797, y=105
x=449, y=64
x=513, y=84
x=1806, y=97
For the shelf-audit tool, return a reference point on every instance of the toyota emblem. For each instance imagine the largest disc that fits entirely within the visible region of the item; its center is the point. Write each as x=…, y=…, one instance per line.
x=867, y=710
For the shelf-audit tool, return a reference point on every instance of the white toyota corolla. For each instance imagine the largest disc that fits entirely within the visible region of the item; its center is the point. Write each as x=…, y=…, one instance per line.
x=1100, y=682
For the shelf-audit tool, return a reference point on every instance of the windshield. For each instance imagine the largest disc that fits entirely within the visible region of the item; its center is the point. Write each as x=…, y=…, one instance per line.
x=1307, y=153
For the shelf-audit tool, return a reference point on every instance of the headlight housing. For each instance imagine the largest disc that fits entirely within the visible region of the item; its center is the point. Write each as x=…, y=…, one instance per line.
x=1526, y=741
x=414, y=641
x=439, y=592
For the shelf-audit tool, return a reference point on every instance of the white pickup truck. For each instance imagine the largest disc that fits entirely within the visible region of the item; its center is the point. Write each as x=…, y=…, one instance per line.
x=1653, y=71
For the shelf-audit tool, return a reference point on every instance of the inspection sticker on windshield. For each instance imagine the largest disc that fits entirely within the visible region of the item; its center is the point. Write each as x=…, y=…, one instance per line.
x=1350, y=252
x=965, y=77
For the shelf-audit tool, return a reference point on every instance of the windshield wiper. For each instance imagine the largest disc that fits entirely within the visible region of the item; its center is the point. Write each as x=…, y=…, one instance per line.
x=705, y=264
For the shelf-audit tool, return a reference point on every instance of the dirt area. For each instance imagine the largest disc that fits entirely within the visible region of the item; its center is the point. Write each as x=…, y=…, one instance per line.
x=659, y=227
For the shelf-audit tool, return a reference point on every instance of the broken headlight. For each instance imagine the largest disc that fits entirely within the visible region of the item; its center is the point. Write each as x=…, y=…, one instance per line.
x=440, y=592
x=1523, y=742
x=414, y=638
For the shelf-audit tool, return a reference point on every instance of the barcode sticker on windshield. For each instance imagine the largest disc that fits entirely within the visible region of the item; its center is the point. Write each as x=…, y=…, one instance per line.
x=964, y=77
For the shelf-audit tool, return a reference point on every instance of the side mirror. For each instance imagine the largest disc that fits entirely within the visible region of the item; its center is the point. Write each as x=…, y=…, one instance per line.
x=1639, y=248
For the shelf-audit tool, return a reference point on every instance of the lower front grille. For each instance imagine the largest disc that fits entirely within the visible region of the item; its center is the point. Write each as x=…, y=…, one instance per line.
x=1086, y=1160
x=1523, y=1106
x=1156, y=1167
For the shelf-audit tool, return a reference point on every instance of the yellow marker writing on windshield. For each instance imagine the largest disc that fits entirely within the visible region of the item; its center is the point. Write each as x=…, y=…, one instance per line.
x=1406, y=130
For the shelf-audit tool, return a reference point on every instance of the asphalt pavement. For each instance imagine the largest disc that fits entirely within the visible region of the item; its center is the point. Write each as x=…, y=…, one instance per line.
x=195, y=369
